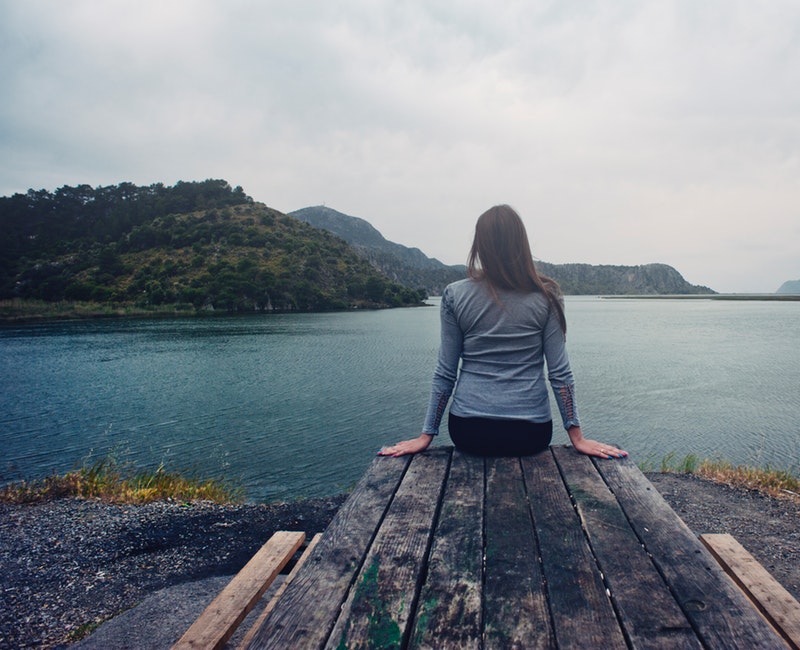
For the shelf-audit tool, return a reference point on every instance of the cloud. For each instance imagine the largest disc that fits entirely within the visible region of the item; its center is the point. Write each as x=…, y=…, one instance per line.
x=624, y=132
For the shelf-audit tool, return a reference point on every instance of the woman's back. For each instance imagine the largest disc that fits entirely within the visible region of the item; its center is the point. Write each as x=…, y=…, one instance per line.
x=505, y=337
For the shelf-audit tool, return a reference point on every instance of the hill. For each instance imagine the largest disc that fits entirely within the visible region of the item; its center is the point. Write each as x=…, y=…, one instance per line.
x=411, y=267
x=612, y=280
x=790, y=287
x=407, y=266
x=196, y=246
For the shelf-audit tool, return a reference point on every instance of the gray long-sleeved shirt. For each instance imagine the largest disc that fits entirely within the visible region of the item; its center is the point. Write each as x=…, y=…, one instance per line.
x=502, y=343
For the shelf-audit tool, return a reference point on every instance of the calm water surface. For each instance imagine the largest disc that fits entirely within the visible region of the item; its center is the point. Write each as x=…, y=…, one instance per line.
x=298, y=405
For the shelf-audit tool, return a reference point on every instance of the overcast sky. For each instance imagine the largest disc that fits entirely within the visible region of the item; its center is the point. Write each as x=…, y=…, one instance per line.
x=623, y=131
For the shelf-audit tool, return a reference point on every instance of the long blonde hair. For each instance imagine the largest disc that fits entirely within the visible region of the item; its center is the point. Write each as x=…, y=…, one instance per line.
x=501, y=255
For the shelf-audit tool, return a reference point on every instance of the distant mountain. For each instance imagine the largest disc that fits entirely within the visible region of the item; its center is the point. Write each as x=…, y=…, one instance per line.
x=644, y=279
x=407, y=266
x=411, y=267
x=790, y=286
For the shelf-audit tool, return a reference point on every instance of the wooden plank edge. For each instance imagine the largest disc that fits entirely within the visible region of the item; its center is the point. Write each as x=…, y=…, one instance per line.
x=720, y=612
x=422, y=484
x=256, y=626
x=347, y=538
x=774, y=602
x=219, y=620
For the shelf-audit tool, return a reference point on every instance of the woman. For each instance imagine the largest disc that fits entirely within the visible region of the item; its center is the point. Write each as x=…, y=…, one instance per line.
x=502, y=323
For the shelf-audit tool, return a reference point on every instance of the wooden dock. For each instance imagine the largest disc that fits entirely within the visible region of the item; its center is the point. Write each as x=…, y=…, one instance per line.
x=447, y=550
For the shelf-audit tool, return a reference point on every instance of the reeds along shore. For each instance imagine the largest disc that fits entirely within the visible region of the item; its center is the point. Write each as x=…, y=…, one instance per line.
x=17, y=310
x=773, y=482
x=109, y=480
x=112, y=481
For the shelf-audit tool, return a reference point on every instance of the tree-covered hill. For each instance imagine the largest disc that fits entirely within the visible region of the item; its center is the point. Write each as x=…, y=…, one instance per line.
x=408, y=266
x=202, y=245
x=617, y=280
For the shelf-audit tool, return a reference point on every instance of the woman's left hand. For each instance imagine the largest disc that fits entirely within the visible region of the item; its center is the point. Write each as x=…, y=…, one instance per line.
x=593, y=447
x=408, y=446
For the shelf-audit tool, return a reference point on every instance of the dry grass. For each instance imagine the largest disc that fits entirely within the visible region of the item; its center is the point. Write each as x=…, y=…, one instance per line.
x=774, y=482
x=121, y=483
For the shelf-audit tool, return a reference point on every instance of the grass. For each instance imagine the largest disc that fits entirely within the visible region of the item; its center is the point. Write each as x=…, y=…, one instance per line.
x=19, y=310
x=774, y=482
x=109, y=480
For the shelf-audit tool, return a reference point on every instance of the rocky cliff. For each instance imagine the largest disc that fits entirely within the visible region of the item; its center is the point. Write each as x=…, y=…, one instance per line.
x=643, y=279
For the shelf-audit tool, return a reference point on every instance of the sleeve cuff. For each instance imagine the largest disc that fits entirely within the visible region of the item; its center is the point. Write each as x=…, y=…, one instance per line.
x=565, y=398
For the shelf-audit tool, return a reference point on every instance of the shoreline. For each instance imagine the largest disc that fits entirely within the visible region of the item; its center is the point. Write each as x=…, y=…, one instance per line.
x=68, y=565
x=17, y=311
x=789, y=297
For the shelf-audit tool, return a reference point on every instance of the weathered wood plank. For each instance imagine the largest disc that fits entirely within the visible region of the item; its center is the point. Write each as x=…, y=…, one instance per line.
x=763, y=590
x=582, y=613
x=248, y=637
x=219, y=620
x=378, y=610
x=644, y=604
x=515, y=602
x=450, y=603
x=720, y=614
x=311, y=603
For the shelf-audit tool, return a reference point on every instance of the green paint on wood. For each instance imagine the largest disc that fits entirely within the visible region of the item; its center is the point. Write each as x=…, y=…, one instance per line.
x=423, y=617
x=383, y=632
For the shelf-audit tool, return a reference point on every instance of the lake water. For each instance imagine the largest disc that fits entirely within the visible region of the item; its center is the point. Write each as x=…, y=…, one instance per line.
x=297, y=405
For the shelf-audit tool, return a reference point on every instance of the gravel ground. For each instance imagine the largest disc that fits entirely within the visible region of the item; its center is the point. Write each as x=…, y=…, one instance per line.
x=69, y=564
x=768, y=528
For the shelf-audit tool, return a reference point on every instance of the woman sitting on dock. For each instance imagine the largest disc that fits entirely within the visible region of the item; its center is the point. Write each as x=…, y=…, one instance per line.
x=502, y=323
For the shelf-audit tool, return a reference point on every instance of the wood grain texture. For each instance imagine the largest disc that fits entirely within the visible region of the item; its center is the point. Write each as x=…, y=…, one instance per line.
x=579, y=605
x=377, y=612
x=767, y=594
x=312, y=601
x=248, y=637
x=219, y=620
x=631, y=576
x=450, y=603
x=720, y=614
x=445, y=550
x=515, y=602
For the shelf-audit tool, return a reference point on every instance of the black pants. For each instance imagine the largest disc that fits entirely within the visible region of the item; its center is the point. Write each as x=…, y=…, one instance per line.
x=487, y=437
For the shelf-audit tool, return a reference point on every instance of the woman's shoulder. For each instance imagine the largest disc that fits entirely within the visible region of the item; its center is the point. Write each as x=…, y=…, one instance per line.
x=469, y=287
x=466, y=284
x=461, y=289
